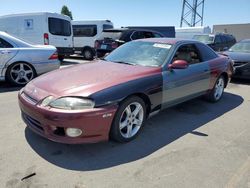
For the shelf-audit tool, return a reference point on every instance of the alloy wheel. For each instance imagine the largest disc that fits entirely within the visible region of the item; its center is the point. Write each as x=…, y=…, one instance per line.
x=131, y=120
x=21, y=73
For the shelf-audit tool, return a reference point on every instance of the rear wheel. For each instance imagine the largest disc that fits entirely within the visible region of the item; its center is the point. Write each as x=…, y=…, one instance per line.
x=88, y=54
x=20, y=74
x=128, y=120
x=61, y=57
x=218, y=90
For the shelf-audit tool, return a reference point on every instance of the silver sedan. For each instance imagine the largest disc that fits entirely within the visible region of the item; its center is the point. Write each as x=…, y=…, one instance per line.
x=20, y=61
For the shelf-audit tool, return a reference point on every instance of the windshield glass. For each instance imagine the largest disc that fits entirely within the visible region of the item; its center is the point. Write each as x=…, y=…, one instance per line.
x=241, y=47
x=204, y=38
x=140, y=53
x=111, y=35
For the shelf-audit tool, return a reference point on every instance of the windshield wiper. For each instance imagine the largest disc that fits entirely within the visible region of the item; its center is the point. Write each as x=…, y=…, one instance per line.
x=123, y=62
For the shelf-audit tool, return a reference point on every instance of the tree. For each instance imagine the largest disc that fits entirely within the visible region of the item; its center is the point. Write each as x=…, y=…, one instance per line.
x=65, y=11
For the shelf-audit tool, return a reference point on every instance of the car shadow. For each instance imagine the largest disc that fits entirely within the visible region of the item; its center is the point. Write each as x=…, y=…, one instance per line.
x=159, y=131
x=6, y=87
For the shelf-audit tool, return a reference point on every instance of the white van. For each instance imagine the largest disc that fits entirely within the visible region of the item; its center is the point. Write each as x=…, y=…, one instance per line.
x=85, y=35
x=41, y=28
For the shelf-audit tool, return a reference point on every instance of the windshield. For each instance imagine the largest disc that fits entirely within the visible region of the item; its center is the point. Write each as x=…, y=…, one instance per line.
x=140, y=53
x=241, y=47
x=204, y=38
x=112, y=35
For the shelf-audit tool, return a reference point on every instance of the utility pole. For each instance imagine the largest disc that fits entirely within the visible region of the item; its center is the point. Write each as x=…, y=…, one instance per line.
x=192, y=13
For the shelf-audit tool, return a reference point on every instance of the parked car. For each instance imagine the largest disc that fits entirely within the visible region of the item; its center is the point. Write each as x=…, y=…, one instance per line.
x=110, y=39
x=218, y=42
x=20, y=62
x=85, y=35
x=240, y=53
x=112, y=98
x=41, y=28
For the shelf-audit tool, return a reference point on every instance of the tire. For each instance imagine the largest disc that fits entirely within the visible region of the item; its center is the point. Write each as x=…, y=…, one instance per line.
x=61, y=58
x=19, y=74
x=217, y=92
x=126, y=126
x=88, y=54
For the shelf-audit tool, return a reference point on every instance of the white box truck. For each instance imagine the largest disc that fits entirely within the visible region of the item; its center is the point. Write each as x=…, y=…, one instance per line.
x=85, y=35
x=41, y=28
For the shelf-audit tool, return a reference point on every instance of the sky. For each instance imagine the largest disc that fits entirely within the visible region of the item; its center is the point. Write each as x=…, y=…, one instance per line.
x=135, y=12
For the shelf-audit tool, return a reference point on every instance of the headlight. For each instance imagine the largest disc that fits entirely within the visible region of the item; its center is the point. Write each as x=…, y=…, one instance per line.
x=71, y=103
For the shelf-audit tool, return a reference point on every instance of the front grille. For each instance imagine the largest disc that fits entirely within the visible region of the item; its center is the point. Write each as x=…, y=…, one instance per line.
x=239, y=63
x=32, y=122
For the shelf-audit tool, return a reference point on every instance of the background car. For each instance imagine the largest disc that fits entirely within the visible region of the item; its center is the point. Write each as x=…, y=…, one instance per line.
x=112, y=98
x=240, y=53
x=218, y=41
x=110, y=39
x=20, y=62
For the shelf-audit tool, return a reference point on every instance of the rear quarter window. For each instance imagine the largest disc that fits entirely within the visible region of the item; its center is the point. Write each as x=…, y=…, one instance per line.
x=59, y=26
x=5, y=44
x=206, y=52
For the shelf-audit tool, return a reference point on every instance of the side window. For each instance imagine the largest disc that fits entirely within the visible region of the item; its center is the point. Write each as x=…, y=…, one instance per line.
x=137, y=35
x=189, y=53
x=157, y=35
x=217, y=39
x=148, y=34
x=206, y=52
x=84, y=30
x=5, y=44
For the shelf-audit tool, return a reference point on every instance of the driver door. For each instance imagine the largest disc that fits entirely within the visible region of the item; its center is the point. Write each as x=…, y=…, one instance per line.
x=182, y=84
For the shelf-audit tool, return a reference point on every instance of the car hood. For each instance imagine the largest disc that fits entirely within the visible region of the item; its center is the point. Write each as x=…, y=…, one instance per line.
x=238, y=56
x=85, y=79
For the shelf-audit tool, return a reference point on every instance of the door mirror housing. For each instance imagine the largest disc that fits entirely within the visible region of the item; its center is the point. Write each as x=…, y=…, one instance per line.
x=178, y=64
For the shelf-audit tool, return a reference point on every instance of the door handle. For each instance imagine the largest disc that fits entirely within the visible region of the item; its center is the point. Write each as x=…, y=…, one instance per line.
x=65, y=39
x=5, y=52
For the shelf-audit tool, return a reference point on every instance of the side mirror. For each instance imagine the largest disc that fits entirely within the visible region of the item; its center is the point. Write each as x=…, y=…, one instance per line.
x=178, y=64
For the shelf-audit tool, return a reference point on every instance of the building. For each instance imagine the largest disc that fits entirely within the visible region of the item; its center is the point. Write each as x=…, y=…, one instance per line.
x=240, y=31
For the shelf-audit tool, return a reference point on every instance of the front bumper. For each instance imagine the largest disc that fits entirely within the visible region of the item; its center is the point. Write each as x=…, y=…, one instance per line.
x=242, y=70
x=51, y=123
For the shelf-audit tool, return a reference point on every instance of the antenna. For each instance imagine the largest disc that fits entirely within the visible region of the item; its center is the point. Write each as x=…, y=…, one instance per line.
x=192, y=13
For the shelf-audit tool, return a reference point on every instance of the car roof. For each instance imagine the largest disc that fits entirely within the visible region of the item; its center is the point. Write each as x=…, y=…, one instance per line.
x=128, y=29
x=168, y=40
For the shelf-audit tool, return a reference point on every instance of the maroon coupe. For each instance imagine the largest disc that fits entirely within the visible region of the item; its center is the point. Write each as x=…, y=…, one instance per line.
x=111, y=98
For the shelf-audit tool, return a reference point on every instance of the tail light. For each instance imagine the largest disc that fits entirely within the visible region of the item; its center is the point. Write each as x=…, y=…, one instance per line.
x=46, y=38
x=114, y=44
x=97, y=44
x=54, y=56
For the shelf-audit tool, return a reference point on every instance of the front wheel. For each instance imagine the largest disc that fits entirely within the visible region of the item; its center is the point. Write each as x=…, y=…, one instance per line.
x=218, y=90
x=128, y=120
